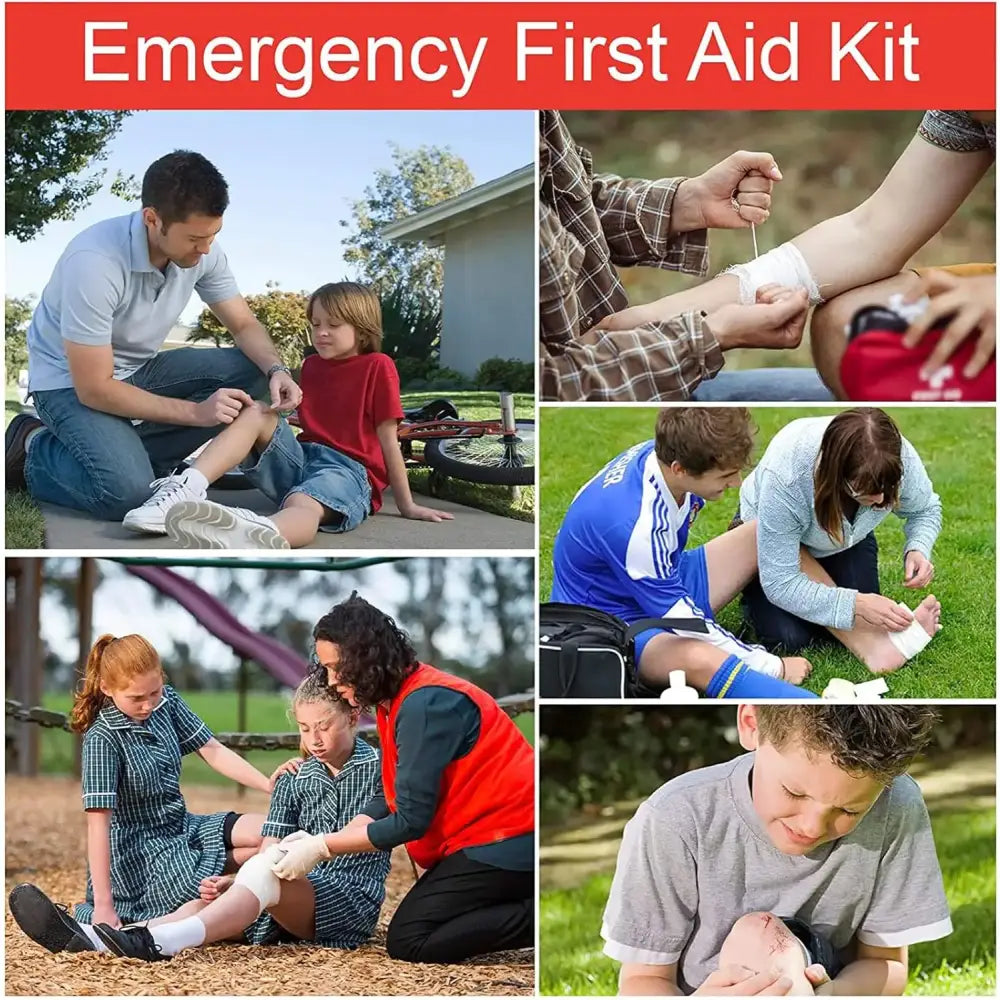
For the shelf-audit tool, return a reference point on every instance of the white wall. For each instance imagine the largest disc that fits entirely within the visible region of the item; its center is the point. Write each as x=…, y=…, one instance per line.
x=488, y=301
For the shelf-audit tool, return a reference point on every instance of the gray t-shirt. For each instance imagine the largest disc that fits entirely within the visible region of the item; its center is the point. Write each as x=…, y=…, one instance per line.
x=696, y=857
x=104, y=290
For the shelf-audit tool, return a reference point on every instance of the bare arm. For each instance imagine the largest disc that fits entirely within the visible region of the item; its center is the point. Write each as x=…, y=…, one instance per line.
x=875, y=972
x=635, y=980
x=388, y=438
x=232, y=765
x=99, y=857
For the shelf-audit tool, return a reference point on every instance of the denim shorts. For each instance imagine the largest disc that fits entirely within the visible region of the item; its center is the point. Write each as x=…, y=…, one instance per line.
x=337, y=482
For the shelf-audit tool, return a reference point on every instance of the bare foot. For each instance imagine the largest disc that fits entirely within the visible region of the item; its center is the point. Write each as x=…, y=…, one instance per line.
x=886, y=658
x=797, y=668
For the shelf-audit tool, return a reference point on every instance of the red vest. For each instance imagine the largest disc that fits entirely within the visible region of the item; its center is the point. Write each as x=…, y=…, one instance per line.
x=487, y=795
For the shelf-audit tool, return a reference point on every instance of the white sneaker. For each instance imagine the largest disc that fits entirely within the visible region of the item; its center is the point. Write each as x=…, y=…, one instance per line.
x=149, y=519
x=202, y=524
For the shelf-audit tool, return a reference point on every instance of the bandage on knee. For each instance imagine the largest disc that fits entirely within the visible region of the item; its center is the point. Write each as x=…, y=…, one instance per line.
x=256, y=875
x=912, y=639
x=783, y=265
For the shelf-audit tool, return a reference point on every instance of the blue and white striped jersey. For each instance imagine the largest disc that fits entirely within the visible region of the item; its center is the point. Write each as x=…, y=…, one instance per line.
x=620, y=544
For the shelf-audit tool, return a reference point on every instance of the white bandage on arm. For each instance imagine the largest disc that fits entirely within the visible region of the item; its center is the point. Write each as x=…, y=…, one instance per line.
x=256, y=875
x=912, y=639
x=783, y=265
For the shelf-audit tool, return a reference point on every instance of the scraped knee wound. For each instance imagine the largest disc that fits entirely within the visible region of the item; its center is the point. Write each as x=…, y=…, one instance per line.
x=256, y=875
x=783, y=265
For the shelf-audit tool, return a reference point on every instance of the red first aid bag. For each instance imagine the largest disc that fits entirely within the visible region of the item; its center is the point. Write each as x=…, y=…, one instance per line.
x=877, y=368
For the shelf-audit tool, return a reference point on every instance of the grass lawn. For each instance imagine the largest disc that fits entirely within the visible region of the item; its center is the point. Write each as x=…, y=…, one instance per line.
x=25, y=528
x=958, y=449
x=266, y=713
x=962, y=964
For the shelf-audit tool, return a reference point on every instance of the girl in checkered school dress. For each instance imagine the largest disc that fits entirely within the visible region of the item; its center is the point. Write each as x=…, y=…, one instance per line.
x=147, y=854
x=337, y=903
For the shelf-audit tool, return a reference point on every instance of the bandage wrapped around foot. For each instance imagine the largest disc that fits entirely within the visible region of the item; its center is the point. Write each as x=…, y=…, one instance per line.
x=783, y=265
x=912, y=639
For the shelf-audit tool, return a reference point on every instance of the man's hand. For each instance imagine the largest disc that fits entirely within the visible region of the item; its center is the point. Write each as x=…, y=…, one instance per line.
x=918, y=570
x=776, y=320
x=417, y=513
x=301, y=856
x=222, y=407
x=730, y=195
x=285, y=392
x=736, y=981
x=971, y=302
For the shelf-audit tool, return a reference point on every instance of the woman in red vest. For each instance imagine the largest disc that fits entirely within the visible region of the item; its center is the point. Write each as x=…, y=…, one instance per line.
x=459, y=792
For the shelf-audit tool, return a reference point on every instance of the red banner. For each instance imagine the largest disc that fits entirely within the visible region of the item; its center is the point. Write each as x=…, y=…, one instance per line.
x=501, y=55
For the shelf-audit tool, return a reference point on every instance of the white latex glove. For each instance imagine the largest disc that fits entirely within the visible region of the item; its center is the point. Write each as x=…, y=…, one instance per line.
x=301, y=856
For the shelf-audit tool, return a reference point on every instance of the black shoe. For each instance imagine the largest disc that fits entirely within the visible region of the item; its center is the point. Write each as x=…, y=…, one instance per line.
x=14, y=444
x=46, y=923
x=134, y=941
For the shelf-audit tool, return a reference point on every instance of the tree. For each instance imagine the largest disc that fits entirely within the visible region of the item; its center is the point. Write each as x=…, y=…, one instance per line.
x=418, y=179
x=283, y=315
x=46, y=150
x=16, y=316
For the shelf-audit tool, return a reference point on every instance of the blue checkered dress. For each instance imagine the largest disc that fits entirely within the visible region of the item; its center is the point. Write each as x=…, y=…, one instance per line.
x=159, y=851
x=349, y=888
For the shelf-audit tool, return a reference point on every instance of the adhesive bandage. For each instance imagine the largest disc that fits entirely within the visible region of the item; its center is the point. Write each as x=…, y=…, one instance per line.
x=256, y=875
x=783, y=265
x=908, y=310
x=912, y=639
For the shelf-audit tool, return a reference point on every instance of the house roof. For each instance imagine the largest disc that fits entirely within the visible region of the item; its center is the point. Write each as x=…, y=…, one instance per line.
x=497, y=195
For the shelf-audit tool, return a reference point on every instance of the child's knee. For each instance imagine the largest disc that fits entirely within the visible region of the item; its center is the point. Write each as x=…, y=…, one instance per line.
x=756, y=938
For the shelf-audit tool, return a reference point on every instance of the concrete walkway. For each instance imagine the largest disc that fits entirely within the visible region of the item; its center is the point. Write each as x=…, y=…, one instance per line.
x=471, y=529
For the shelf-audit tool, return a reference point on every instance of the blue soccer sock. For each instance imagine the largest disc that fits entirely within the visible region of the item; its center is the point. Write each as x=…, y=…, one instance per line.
x=734, y=679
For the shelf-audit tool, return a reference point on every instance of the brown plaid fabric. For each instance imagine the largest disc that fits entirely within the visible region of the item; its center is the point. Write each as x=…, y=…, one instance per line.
x=588, y=226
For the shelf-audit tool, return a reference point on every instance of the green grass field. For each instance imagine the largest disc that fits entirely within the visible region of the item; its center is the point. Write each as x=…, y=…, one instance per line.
x=266, y=713
x=25, y=528
x=957, y=447
x=962, y=964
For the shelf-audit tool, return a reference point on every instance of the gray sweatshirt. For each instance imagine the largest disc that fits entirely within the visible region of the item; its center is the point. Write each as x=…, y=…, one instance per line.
x=779, y=495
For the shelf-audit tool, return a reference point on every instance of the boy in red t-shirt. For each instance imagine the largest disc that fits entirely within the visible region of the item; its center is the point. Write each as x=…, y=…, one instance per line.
x=332, y=475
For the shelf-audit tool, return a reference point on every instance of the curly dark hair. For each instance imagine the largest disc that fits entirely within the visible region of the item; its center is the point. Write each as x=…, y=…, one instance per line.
x=182, y=184
x=376, y=655
x=877, y=740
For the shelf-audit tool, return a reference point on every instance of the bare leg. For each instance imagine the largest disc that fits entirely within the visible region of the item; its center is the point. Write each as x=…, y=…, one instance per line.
x=252, y=429
x=246, y=840
x=699, y=660
x=190, y=909
x=868, y=644
x=299, y=519
x=731, y=561
x=827, y=336
x=296, y=910
x=761, y=942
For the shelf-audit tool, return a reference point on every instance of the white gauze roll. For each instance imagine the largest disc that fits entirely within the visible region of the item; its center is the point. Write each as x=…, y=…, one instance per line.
x=912, y=639
x=783, y=265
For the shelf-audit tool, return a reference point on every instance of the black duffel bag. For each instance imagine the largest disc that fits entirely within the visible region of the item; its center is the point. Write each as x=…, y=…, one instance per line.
x=586, y=653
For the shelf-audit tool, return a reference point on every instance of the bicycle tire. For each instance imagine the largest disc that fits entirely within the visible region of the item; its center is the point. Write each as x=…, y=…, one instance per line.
x=437, y=457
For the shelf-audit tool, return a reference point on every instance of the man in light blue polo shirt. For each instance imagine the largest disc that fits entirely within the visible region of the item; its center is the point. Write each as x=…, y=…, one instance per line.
x=116, y=413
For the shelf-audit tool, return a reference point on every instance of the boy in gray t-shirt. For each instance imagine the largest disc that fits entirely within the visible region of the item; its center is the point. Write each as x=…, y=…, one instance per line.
x=818, y=826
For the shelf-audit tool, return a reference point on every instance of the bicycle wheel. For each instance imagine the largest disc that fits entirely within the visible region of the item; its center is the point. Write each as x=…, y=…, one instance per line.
x=486, y=459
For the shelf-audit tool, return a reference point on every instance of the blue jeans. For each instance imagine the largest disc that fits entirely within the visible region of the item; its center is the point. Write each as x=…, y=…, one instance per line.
x=103, y=464
x=763, y=385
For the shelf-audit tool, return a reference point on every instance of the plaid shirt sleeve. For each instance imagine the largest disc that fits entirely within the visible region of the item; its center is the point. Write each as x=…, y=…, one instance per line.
x=192, y=733
x=657, y=361
x=635, y=217
x=99, y=769
x=283, y=813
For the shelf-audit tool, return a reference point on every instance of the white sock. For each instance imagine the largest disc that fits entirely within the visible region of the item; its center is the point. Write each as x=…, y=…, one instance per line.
x=31, y=437
x=178, y=935
x=196, y=480
x=88, y=929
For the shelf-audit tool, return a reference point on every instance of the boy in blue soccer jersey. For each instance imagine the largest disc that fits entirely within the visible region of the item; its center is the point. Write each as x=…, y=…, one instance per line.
x=621, y=549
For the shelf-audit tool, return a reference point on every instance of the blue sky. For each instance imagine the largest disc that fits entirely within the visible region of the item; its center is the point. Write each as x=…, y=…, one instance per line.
x=291, y=177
